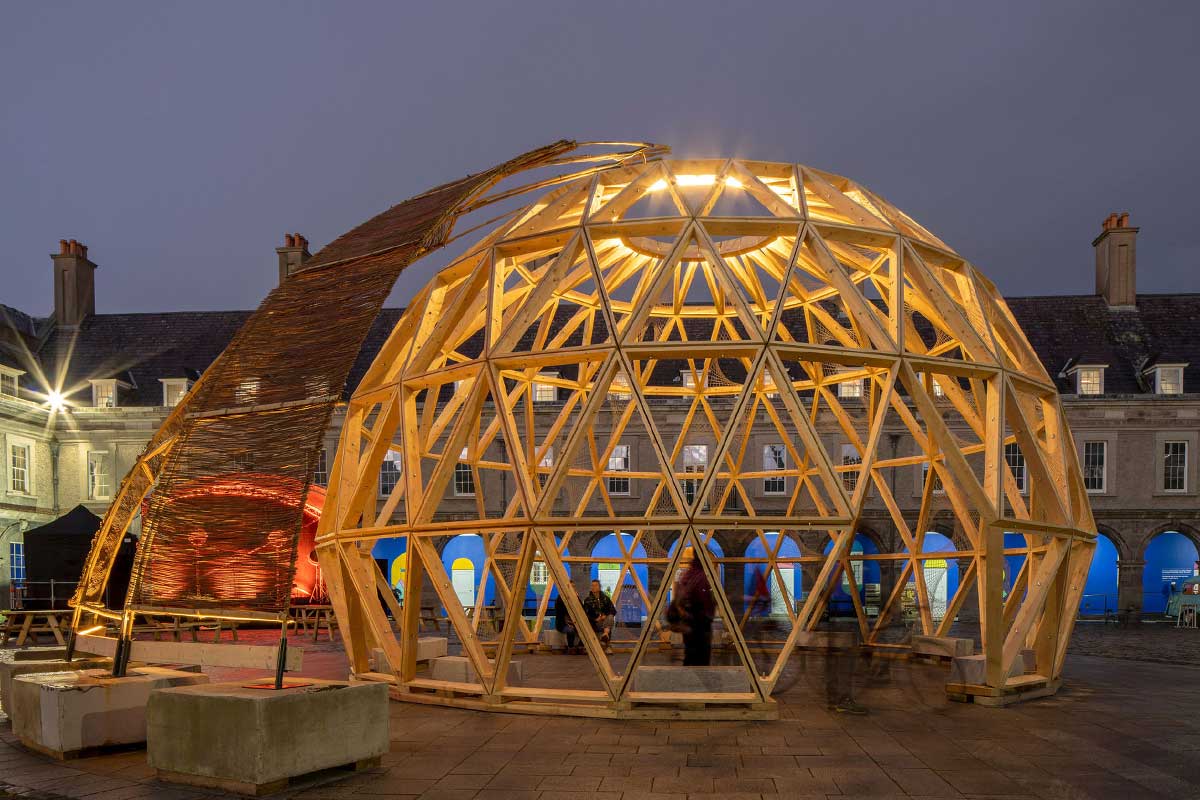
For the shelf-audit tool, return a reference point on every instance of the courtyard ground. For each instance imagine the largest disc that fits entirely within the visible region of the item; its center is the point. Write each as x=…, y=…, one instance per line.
x=1123, y=727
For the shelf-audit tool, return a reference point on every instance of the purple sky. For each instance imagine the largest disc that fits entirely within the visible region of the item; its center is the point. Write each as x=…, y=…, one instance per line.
x=180, y=141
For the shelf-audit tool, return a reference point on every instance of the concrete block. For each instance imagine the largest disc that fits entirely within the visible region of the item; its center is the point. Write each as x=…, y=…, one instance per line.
x=252, y=741
x=972, y=670
x=691, y=679
x=64, y=714
x=554, y=639
x=458, y=669
x=11, y=669
x=943, y=646
x=428, y=648
x=40, y=654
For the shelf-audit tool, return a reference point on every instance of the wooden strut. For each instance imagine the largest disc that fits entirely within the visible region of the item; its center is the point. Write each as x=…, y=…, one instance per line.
x=837, y=315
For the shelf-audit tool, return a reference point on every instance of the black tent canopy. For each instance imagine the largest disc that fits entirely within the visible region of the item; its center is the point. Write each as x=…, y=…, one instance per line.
x=55, y=554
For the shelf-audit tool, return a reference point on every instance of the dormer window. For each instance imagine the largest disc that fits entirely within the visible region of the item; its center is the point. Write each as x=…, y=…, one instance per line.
x=104, y=393
x=1168, y=379
x=1089, y=380
x=173, y=390
x=545, y=392
x=10, y=382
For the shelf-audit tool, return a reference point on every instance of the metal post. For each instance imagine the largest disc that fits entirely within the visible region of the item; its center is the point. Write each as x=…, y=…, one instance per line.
x=281, y=662
x=121, y=657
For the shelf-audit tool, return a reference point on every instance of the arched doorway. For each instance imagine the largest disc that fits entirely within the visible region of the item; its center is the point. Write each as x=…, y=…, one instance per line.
x=790, y=573
x=1170, y=559
x=609, y=561
x=395, y=552
x=866, y=578
x=463, y=559
x=940, y=573
x=1100, y=588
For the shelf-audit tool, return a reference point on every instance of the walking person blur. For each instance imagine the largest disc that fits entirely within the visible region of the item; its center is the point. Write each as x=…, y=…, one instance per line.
x=600, y=613
x=696, y=607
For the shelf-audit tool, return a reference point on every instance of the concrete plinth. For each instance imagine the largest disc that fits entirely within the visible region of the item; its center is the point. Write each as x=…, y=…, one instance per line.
x=40, y=654
x=723, y=680
x=252, y=741
x=428, y=648
x=11, y=669
x=65, y=714
x=972, y=670
x=554, y=639
x=458, y=669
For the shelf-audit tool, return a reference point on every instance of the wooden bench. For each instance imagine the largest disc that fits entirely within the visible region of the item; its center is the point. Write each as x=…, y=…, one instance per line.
x=22, y=624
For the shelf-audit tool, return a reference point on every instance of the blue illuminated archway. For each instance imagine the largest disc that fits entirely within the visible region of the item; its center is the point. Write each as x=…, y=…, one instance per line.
x=788, y=549
x=865, y=572
x=1100, y=589
x=1170, y=559
x=608, y=561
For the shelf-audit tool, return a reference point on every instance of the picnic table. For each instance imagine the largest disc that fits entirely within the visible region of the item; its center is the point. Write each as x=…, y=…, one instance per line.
x=312, y=616
x=22, y=624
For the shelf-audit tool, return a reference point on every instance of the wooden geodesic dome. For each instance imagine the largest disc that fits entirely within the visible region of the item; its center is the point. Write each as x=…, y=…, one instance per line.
x=742, y=360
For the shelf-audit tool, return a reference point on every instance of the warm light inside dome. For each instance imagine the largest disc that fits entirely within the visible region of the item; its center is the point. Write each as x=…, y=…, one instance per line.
x=694, y=180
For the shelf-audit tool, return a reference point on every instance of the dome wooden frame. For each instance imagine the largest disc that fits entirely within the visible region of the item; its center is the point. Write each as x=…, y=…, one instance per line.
x=773, y=285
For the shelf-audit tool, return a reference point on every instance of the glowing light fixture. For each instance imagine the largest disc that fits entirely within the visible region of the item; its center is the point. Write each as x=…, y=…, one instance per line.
x=56, y=401
x=694, y=180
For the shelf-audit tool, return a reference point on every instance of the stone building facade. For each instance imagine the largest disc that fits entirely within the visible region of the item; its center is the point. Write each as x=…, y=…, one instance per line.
x=82, y=392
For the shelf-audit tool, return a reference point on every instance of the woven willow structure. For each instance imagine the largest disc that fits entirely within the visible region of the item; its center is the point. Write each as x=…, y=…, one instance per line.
x=735, y=356
x=228, y=473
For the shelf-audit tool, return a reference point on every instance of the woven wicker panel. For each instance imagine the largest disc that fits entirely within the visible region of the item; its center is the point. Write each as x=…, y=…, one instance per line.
x=260, y=414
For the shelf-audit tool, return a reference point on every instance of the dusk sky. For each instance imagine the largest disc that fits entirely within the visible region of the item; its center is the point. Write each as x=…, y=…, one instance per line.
x=180, y=141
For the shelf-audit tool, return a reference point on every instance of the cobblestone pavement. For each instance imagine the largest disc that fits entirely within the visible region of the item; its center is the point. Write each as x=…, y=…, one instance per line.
x=1119, y=729
x=1160, y=642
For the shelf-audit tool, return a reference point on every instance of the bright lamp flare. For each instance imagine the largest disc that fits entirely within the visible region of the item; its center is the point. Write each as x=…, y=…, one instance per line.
x=55, y=401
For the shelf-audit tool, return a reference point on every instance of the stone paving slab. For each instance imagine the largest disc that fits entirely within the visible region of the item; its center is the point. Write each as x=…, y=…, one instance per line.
x=1120, y=729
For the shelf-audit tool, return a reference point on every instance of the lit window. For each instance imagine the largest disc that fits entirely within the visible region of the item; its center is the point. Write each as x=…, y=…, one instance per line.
x=1093, y=466
x=774, y=459
x=16, y=564
x=1090, y=380
x=695, y=459
x=545, y=466
x=545, y=392
x=1016, y=464
x=321, y=473
x=104, y=394
x=937, y=479
x=849, y=389
x=19, y=463
x=619, y=389
x=1168, y=380
x=850, y=457
x=97, y=475
x=1174, y=467
x=173, y=390
x=618, y=461
x=9, y=384
x=464, y=478
x=389, y=472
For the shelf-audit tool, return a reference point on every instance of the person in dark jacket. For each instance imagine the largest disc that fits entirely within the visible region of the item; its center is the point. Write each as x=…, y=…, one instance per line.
x=600, y=613
x=697, y=606
x=565, y=625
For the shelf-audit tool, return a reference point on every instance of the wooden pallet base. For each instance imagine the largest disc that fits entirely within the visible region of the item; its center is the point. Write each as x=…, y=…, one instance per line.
x=260, y=789
x=86, y=752
x=581, y=704
x=1018, y=690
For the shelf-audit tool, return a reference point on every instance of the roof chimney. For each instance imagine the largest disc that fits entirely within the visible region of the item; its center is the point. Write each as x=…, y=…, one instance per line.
x=1116, y=261
x=74, y=283
x=292, y=255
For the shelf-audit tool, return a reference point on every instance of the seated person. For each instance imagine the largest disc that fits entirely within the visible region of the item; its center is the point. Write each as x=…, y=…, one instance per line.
x=565, y=625
x=600, y=613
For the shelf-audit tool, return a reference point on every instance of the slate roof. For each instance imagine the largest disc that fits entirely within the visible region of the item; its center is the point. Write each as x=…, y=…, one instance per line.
x=1082, y=329
x=139, y=349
